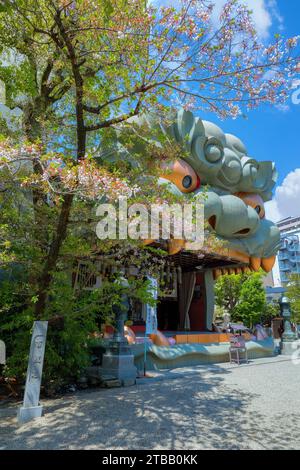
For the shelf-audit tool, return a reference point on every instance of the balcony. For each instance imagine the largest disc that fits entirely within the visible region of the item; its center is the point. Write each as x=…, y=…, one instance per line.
x=285, y=269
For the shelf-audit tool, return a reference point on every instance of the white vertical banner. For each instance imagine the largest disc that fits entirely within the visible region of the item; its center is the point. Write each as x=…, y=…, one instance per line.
x=151, y=313
x=31, y=408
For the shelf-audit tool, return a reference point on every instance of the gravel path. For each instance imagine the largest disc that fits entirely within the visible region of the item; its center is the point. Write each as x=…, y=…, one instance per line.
x=254, y=406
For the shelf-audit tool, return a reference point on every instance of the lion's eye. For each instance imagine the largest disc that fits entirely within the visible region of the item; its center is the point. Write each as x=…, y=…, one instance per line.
x=254, y=201
x=183, y=175
x=187, y=182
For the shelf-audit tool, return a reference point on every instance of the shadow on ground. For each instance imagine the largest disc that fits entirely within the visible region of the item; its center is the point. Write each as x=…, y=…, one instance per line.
x=193, y=412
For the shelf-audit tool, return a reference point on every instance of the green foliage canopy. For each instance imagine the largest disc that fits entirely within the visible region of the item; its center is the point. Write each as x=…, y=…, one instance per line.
x=243, y=296
x=293, y=293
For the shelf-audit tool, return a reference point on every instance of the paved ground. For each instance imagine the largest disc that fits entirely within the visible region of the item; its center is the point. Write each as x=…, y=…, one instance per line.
x=255, y=406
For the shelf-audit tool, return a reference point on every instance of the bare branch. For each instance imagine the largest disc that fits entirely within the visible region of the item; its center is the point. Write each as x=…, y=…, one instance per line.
x=117, y=120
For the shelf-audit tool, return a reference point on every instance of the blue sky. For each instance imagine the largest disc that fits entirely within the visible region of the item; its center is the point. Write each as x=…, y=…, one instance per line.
x=271, y=133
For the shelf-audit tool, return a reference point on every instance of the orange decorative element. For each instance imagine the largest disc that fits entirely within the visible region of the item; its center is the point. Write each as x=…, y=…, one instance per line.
x=205, y=338
x=223, y=338
x=234, y=254
x=247, y=336
x=246, y=269
x=148, y=241
x=159, y=339
x=129, y=335
x=255, y=201
x=217, y=273
x=255, y=263
x=238, y=255
x=192, y=338
x=181, y=339
x=268, y=263
x=182, y=175
x=174, y=246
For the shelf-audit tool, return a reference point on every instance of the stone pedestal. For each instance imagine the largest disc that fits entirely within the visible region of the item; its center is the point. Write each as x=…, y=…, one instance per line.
x=118, y=362
x=120, y=366
x=289, y=343
x=289, y=347
x=28, y=413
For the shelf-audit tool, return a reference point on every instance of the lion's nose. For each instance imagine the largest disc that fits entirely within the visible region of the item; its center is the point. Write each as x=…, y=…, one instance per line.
x=213, y=222
x=230, y=217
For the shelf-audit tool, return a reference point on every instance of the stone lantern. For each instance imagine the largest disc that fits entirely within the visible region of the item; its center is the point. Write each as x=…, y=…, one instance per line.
x=118, y=361
x=289, y=338
x=226, y=320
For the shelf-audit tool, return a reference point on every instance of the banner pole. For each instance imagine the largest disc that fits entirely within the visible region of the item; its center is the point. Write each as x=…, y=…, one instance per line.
x=145, y=353
x=151, y=319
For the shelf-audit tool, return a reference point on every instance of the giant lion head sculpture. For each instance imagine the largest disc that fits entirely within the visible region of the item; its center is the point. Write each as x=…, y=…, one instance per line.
x=238, y=185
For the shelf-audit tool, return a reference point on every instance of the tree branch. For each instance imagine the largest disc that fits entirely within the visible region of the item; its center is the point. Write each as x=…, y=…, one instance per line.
x=111, y=122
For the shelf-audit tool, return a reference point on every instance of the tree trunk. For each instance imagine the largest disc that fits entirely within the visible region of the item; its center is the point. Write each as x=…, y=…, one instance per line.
x=61, y=229
x=33, y=131
x=33, y=112
x=51, y=260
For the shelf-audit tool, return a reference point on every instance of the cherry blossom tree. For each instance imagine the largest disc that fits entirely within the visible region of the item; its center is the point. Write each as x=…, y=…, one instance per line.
x=87, y=66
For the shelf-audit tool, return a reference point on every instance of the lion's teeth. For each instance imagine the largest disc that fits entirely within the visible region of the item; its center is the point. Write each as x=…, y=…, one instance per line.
x=255, y=263
x=268, y=263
